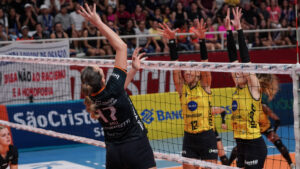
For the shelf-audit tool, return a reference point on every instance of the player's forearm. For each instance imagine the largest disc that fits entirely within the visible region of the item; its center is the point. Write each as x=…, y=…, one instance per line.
x=130, y=76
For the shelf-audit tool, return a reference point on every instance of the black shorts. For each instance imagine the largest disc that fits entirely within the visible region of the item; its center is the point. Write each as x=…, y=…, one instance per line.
x=200, y=146
x=268, y=131
x=251, y=154
x=217, y=135
x=135, y=154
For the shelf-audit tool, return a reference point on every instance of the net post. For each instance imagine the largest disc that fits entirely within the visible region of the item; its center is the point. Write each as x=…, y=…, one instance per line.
x=296, y=93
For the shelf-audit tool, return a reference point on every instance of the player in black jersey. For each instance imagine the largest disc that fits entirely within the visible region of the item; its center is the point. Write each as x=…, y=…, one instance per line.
x=127, y=145
x=9, y=153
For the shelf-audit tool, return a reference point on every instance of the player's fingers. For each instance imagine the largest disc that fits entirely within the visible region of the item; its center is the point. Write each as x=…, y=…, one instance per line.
x=88, y=8
x=141, y=55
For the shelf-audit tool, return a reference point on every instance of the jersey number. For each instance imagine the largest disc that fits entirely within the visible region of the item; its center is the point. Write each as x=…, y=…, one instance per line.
x=112, y=116
x=194, y=125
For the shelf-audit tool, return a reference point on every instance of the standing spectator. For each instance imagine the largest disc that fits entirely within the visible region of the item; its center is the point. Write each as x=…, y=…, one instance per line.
x=65, y=19
x=208, y=8
x=4, y=21
x=14, y=24
x=40, y=34
x=78, y=25
x=25, y=35
x=58, y=32
x=54, y=6
x=113, y=3
x=110, y=16
x=123, y=15
x=9, y=153
x=194, y=38
x=30, y=19
x=211, y=39
x=158, y=41
x=92, y=46
x=194, y=12
x=179, y=15
x=46, y=19
x=138, y=14
x=144, y=42
x=129, y=30
x=275, y=12
x=3, y=35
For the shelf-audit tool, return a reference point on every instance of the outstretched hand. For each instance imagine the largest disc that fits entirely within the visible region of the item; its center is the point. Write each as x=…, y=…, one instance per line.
x=237, y=13
x=137, y=58
x=201, y=29
x=90, y=14
x=166, y=32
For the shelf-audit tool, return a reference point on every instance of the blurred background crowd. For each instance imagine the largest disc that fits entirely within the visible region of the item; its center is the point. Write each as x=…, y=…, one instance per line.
x=44, y=19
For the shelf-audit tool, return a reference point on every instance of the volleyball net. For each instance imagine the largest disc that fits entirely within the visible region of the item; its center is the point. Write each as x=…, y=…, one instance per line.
x=41, y=97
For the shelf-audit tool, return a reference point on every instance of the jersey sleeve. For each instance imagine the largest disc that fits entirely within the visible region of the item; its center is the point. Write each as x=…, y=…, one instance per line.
x=15, y=153
x=116, y=80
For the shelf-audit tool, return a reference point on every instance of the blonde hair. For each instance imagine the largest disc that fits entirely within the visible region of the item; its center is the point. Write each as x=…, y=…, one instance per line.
x=269, y=84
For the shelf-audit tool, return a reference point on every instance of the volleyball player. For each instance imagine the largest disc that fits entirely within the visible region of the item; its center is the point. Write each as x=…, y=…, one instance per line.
x=127, y=145
x=199, y=140
x=246, y=104
x=9, y=153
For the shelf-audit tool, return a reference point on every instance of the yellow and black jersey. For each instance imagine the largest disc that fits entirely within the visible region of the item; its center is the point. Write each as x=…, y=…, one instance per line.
x=264, y=122
x=245, y=114
x=196, y=109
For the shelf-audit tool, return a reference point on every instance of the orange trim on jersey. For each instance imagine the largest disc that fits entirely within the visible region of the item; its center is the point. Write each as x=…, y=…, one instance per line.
x=121, y=69
x=95, y=94
x=4, y=116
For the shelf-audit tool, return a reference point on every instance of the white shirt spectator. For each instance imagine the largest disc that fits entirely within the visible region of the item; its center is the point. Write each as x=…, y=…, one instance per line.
x=77, y=20
x=142, y=40
x=57, y=4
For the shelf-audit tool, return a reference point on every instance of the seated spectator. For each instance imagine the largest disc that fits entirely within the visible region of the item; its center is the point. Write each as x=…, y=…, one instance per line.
x=65, y=19
x=211, y=39
x=30, y=19
x=3, y=35
x=159, y=42
x=183, y=42
x=179, y=15
x=4, y=21
x=138, y=14
x=14, y=24
x=265, y=38
x=54, y=6
x=194, y=12
x=113, y=26
x=46, y=19
x=285, y=37
x=275, y=12
x=40, y=34
x=194, y=38
x=250, y=16
x=263, y=13
x=110, y=16
x=123, y=15
x=129, y=30
x=158, y=16
x=25, y=35
x=58, y=32
x=287, y=12
x=78, y=25
x=167, y=15
x=151, y=6
x=92, y=46
x=144, y=42
x=113, y=3
x=208, y=8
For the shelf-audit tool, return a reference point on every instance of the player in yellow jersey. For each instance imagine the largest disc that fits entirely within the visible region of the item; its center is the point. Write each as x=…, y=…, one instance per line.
x=195, y=96
x=246, y=103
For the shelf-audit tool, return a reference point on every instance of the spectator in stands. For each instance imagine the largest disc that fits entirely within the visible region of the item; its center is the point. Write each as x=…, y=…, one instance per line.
x=194, y=38
x=65, y=19
x=179, y=15
x=194, y=12
x=151, y=6
x=123, y=15
x=285, y=37
x=54, y=6
x=211, y=39
x=14, y=24
x=25, y=35
x=3, y=35
x=221, y=14
x=144, y=42
x=166, y=14
x=129, y=30
x=158, y=16
x=113, y=3
x=208, y=8
x=287, y=11
x=58, y=32
x=40, y=34
x=250, y=16
x=110, y=16
x=4, y=21
x=9, y=153
x=46, y=19
x=275, y=12
x=92, y=46
x=183, y=41
x=138, y=14
x=265, y=38
x=158, y=42
x=113, y=26
x=30, y=19
x=78, y=25
x=263, y=13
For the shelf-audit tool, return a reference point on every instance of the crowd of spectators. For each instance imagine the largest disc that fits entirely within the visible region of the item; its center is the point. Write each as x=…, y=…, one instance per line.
x=42, y=19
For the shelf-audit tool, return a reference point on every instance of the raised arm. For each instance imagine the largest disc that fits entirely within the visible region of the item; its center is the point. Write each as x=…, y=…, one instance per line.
x=115, y=41
x=136, y=65
x=205, y=76
x=169, y=34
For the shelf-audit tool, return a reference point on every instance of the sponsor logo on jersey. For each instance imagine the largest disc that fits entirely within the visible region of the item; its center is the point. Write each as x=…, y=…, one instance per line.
x=192, y=105
x=252, y=162
x=213, y=151
x=115, y=75
x=234, y=105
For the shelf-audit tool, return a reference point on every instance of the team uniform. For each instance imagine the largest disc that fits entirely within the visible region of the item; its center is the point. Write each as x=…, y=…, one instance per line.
x=11, y=158
x=252, y=149
x=126, y=139
x=199, y=138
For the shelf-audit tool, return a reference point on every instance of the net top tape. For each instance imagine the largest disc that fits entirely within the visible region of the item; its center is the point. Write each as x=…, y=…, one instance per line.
x=163, y=65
